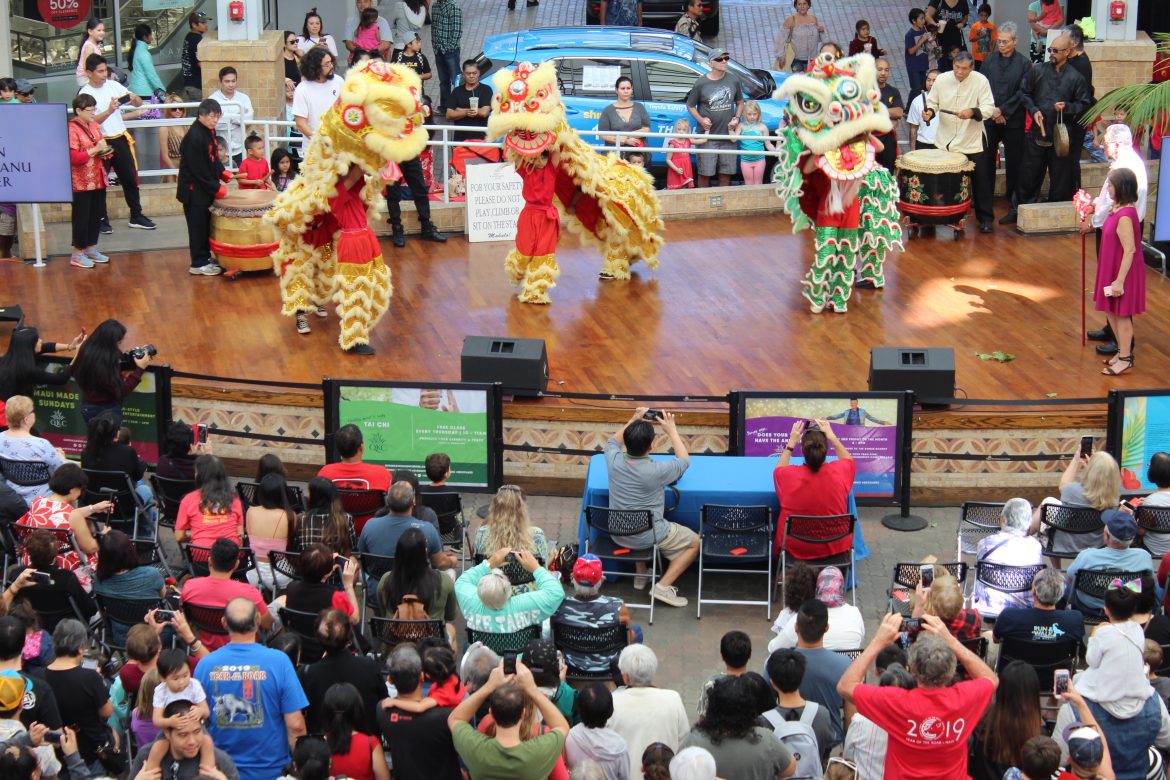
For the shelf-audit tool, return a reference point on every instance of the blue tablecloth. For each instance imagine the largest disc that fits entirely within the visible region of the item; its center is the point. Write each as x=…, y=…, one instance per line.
x=710, y=479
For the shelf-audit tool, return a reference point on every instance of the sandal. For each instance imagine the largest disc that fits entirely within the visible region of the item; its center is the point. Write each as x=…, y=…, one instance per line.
x=1114, y=369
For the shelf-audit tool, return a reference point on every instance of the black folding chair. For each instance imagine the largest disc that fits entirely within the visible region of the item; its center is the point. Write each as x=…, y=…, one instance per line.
x=1009, y=580
x=388, y=633
x=286, y=563
x=821, y=530
x=978, y=520
x=374, y=567
x=515, y=572
x=906, y=577
x=247, y=491
x=1155, y=521
x=51, y=605
x=741, y=535
x=304, y=625
x=198, y=558
x=208, y=620
x=130, y=514
x=1042, y=655
x=150, y=553
x=1069, y=529
x=852, y=655
x=604, y=524
x=168, y=494
x=25, y=473
x=361, y=504
x=515, y=642
x=603, y=644
x=1094, y=583
x=119, y=616
x=448, y=507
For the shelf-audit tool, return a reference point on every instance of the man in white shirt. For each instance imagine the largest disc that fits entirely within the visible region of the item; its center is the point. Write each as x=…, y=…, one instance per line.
x=922, y=133
x=110, y=96
x=385, y=34
x=237, y=109
x=642, y=713
x=963, y=98
x=316, y=93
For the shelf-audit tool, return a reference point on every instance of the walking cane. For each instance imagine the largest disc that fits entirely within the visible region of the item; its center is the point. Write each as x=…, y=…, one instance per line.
x=1083, y=203
x=1084, y=337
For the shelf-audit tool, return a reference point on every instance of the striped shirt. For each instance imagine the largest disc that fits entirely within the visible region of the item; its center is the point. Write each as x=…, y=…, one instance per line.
x=446, y=26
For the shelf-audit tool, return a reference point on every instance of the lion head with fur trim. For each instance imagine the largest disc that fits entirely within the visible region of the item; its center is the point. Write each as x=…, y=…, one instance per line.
x=834, y=102
x=526, y=108
x=378, y=117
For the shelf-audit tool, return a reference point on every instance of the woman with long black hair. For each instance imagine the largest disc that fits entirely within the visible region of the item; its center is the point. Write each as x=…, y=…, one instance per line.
x=323, y=521
x=413, y=575
x=355, y=755
x=213, y=510
x=19, y=372
x=1013, y=718
x=101, y=374
x=103, y=452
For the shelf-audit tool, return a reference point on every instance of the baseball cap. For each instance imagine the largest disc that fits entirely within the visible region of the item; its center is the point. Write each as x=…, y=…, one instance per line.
x=11, y=692
x=716, y=54
x=1084, y=744
x=540, y=656
x=587, y=570
x=1122, y=525
x=198, y=17
x=24, y=87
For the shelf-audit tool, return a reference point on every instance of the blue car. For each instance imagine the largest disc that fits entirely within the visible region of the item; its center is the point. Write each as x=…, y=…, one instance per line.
x=662, y=65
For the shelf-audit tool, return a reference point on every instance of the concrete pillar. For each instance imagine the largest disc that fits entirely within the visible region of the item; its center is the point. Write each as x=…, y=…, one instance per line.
x=5, y=40
x=1118, y=63
x=260, y=67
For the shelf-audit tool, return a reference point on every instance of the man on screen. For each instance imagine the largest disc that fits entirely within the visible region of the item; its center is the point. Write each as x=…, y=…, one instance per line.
x=855, y=415
x=351, y=472
x=443, y=400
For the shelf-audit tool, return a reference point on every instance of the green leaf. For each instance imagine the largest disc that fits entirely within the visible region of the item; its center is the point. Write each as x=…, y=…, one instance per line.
x=1051, y=395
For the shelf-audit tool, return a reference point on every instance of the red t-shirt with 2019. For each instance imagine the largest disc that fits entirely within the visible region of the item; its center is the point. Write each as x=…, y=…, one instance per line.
x=802, y=491
x=928, y=728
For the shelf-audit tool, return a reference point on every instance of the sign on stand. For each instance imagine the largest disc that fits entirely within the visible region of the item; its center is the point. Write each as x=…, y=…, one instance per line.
x=34, y=158
x=494, y=201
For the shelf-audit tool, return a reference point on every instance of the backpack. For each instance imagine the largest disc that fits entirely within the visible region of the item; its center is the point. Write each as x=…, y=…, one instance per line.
x=410, y=608
x=798, y=737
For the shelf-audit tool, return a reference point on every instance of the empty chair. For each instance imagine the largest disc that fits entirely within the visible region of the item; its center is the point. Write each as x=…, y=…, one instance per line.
x=740, y=536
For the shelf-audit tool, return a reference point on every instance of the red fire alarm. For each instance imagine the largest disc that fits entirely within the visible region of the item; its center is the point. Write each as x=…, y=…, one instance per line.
x=236, y=10
x=1117, y=11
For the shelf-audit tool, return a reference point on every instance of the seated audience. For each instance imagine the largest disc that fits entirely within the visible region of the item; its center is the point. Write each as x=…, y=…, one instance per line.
x=420, y=512
x=270, y=463
x=56, y=511
x=1041, y=622
x=351, y=471
x=81, y=693
x=1087, y=482
x=104, y=452
x=865, y=741
x=1118, y=553
x=20, y=443
x=1013, y=718
x=183, y=741
x=38, y=643
x=800, y=585
x=180, y=451
x=380, y=535
x=486, y=600
x=314, y=592
x=542, y=659
x=786, y=669
x=642, y=713
x=218, y=589
x=213, y=510
x=142, y=649
x=936, y=747
x=510, y=752
x=420, y=741
x=507, y=526
x=846, y=626
x=413, y=577
x=312, y=760
x=588, y=610
x=1154, y=626
x=356, y=754
x=324, y=520
x=944, y=600
x=438, y=468
x=341, y=663
x=814, y=488
x=267, y=524
x=1157, y=472
x=729, y=732
x=1153, y=659
x=43, y=557
x=1011, y=546
x=735, y=650
x=591, y=740
x=636, y=481
x=119, y=576
x=824, y=667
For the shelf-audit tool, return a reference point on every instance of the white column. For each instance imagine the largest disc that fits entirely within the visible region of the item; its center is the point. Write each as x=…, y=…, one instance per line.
x=5, y=40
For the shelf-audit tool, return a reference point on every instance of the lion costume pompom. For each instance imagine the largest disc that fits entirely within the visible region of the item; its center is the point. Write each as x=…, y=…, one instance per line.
x=327, y=249
x=609, y=202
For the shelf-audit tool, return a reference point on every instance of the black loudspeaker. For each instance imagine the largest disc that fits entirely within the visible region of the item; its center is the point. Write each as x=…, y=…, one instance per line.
x=928, y=371
x=520, y=365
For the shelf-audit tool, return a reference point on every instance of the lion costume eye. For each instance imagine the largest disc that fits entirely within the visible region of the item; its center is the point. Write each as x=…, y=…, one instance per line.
x=807, y=105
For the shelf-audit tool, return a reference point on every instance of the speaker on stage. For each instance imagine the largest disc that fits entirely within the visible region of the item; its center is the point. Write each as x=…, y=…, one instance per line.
x=520, y=365
x=928, y=371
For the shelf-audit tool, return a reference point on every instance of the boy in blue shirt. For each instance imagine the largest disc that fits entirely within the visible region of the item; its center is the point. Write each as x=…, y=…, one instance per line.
x=917, y=58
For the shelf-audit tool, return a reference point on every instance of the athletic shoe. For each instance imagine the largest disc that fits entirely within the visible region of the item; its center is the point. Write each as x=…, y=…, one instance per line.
x=106, y=228
x=96, y=256
x=668, y=594
x=303, y=324
x=641, y=581
x=80, y=261
x=208, y=269
x=603, y=276
x=321, y=312
x=142, y=222
x=360, y=349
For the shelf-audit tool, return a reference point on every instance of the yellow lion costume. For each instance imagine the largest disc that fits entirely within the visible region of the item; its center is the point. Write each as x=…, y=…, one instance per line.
x=327, y=248
x=607, y=201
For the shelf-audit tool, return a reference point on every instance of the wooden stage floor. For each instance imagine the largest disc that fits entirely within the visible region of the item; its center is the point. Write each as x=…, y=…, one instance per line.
x=723, y=311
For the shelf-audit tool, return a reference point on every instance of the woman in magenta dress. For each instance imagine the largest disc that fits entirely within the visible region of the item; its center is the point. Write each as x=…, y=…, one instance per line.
x=1120, y=290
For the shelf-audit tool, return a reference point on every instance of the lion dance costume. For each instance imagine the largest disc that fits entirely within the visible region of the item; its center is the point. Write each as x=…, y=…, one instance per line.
x=327, y=249
x=850, y=200
x=614, y=205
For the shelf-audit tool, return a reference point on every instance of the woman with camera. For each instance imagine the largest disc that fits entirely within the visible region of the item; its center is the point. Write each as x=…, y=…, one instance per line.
x=56, y=511
x=87, y=150
x=815, y=488
x=106, y=372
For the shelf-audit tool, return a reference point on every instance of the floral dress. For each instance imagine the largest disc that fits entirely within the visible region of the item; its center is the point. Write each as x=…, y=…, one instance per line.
x=51, y=513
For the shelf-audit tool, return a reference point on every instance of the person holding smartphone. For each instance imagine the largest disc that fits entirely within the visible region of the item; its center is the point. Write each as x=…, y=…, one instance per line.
x=818, y=487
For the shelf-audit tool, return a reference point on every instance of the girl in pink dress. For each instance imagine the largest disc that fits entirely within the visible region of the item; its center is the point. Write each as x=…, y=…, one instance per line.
x=1120, y=289
x=680, y=174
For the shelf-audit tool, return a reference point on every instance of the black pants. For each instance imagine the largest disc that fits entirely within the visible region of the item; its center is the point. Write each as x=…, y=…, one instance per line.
x=1013, y=152
x=412, y=175
x=88, y=208
x=122, y=162
x=198, y=232
x=981, y=183
x=889, y=152
x=1062, y=173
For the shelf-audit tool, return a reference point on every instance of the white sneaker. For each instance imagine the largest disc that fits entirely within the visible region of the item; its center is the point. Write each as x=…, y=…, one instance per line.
x=321, y=312
x=668, y=594
x=641, y=581
x=303, y=324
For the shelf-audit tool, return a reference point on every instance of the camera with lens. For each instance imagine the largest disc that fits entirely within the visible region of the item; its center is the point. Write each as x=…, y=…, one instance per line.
x=138, y=353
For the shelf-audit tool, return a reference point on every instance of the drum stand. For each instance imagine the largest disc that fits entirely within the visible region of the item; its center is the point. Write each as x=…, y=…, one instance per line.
x=916, y=228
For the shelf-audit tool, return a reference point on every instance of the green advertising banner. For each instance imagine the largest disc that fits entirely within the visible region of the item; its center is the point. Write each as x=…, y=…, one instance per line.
x=59, y=415
x=402, y=426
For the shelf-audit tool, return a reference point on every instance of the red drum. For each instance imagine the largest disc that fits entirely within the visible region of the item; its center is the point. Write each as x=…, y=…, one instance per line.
x=934, y=187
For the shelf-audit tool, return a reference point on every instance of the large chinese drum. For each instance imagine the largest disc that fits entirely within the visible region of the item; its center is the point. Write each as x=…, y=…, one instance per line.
x=934, y=187
x=240, y=238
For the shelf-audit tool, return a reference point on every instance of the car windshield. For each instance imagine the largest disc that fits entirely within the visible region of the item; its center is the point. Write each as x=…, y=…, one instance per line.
x=755, y=88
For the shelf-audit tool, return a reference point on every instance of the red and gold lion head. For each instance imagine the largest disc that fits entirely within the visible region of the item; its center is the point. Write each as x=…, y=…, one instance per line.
x=526, y=108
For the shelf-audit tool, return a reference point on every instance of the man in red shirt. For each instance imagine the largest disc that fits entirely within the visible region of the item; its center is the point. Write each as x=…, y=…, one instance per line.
x=814, y=489
x=219, y=588
x=928, y=727
x=351, y=472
